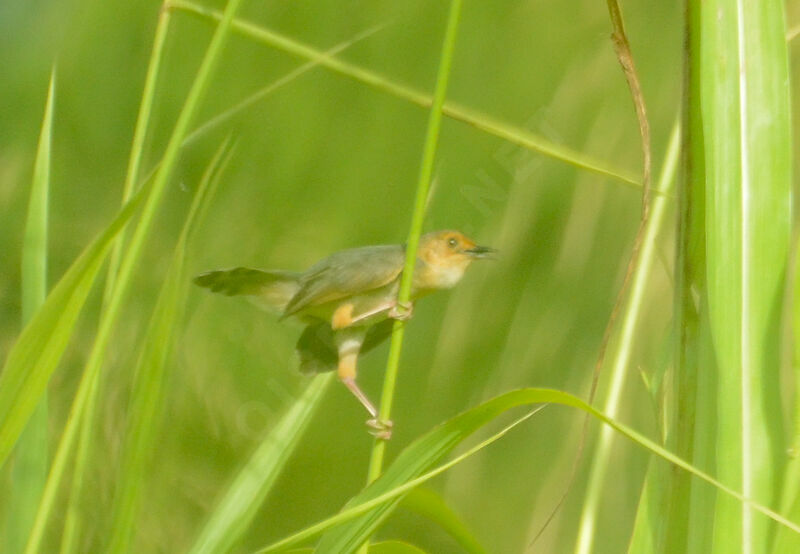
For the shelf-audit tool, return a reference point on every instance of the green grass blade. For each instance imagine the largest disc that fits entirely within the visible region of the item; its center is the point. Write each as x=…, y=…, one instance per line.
x=29, y=466
x=745, y=102
x=368, y=509
x=454, y=111
x=431, y=505
x=85, y=398
x=238, y=507
x=415, y=230
x=137, y=147
x=146, y=399
x=622, y=346
x=39, y=347
x=34, y=249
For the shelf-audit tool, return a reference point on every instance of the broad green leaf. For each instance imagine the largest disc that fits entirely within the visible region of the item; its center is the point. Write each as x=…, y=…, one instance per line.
x=146, y=399
x=431, y=505
x=235, y=511
x=369, y=508
x=29, y=464
x=744, y=98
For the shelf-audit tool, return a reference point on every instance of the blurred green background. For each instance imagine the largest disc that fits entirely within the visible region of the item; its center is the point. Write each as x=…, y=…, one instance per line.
x=325, y=163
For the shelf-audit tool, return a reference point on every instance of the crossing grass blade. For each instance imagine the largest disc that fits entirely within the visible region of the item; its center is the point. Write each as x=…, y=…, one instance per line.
x=452, y=110
x=367, y=510
x=29, y=468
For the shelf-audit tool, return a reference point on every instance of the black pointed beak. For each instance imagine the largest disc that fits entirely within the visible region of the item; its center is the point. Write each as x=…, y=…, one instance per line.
x=481, y=252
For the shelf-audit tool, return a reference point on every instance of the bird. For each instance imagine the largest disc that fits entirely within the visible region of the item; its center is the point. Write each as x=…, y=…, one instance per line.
x=348, y=300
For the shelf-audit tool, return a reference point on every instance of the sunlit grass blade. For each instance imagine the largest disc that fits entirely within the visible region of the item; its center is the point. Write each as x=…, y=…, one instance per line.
x=146, y=398
x=29, y=464
x=744, y=96
x=623, y=344
x=471, y=117
x=235, y=511
x=431, y=505
x=40, y=345
x=370, y=507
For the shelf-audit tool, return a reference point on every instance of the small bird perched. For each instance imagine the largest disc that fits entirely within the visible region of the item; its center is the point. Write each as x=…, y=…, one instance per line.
x=349, y=299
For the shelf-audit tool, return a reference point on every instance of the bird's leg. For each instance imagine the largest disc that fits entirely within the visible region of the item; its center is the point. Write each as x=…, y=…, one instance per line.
x=349, y=343
x=344, y=317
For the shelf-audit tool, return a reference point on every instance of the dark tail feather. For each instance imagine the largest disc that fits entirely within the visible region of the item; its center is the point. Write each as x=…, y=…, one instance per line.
x=275, y=288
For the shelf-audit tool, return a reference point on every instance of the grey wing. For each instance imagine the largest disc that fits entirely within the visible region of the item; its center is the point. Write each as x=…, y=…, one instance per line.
x=347, y=273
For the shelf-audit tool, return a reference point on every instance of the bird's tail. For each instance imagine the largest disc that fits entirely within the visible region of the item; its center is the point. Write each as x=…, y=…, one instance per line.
x=269, y=289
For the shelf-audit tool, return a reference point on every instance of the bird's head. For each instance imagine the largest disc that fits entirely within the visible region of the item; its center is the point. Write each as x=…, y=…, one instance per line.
x=446, y=255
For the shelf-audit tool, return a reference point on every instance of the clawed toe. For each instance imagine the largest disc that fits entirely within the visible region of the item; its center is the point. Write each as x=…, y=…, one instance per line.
x=380, y=429
x=402, y=311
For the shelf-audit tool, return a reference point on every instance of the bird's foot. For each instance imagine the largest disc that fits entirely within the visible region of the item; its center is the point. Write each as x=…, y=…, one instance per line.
x=401, y=310
x=380, y=429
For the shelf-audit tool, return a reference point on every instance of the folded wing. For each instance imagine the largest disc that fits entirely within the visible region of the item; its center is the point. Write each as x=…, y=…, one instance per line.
x=347, y=273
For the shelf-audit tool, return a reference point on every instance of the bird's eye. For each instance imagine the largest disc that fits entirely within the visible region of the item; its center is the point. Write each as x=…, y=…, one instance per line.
x=452, y=243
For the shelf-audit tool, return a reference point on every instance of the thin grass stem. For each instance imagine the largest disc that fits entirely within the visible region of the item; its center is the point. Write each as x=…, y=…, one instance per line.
x=417, y=221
